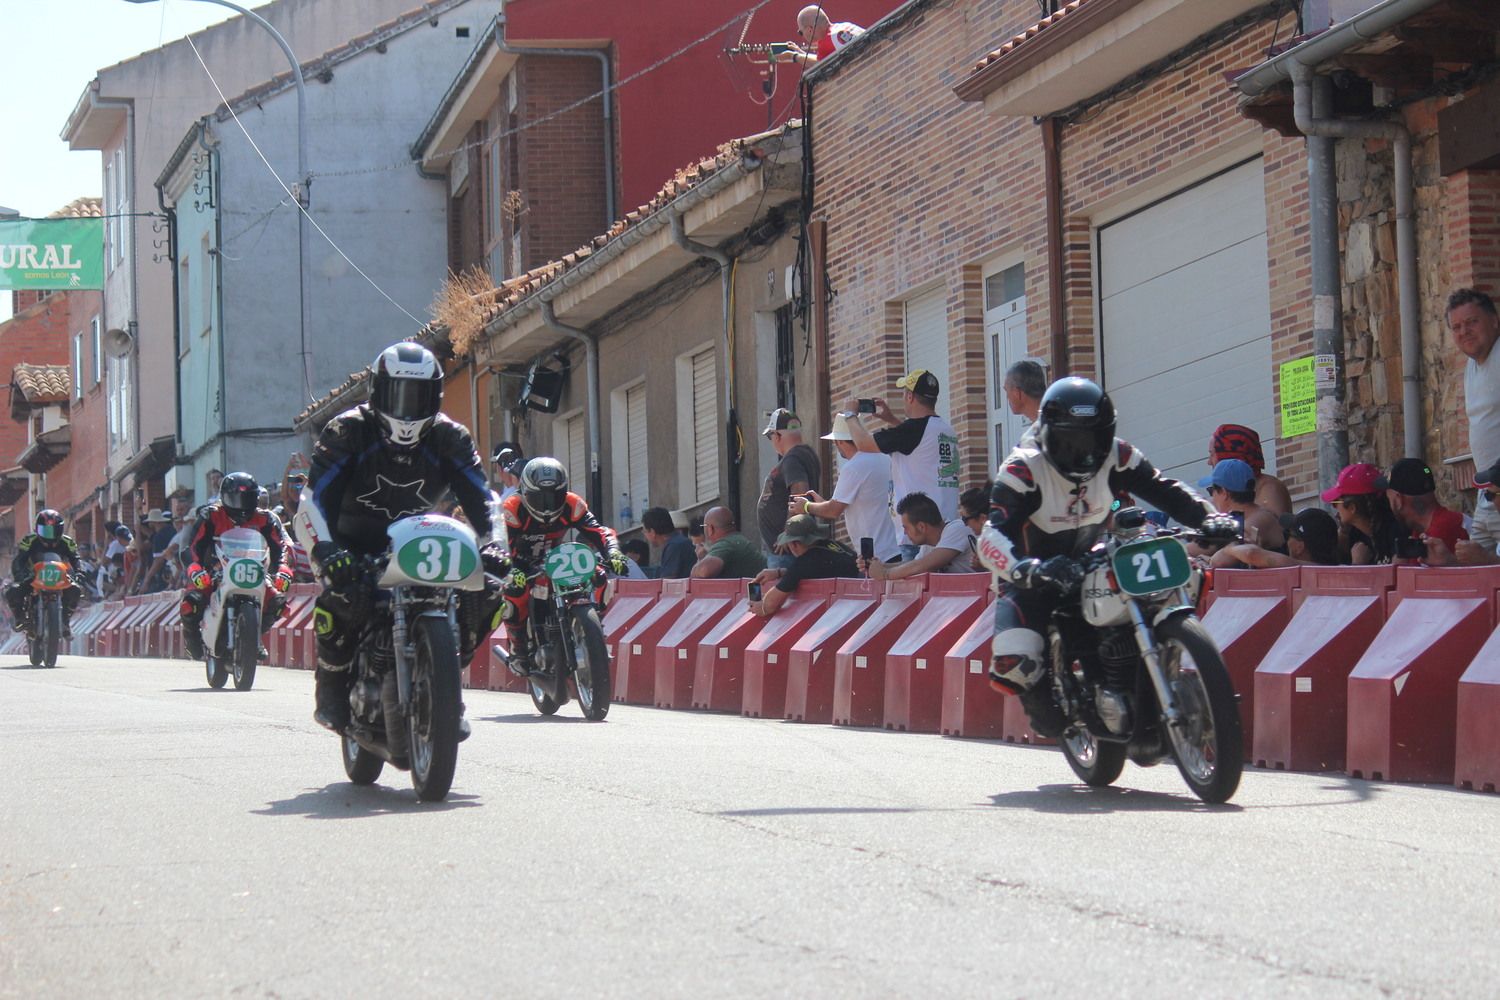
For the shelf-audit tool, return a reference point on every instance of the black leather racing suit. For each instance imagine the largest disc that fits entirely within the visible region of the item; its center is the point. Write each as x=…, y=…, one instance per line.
x=360, y=485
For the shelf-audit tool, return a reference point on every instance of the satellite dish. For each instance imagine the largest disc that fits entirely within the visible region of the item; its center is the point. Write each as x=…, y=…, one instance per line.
x=118, y=343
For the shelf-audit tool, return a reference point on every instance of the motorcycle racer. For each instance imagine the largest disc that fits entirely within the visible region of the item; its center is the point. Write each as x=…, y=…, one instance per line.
x=46, y=536
x=1050, y=502
x=392, y=457
x=236, y=507
x=536, y=516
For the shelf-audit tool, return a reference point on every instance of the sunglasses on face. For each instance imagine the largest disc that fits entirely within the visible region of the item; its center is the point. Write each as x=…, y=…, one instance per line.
x=1491, y=495
x=1345, y=502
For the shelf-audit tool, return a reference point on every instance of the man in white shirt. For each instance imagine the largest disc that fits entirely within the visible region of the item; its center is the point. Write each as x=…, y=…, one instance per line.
x=1476, y=326
x=822, y=35
x=923, y=447
x=862, y=495
x=943, y=546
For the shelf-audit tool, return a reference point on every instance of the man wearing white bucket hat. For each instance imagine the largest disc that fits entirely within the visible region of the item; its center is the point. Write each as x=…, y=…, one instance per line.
x=862, y=495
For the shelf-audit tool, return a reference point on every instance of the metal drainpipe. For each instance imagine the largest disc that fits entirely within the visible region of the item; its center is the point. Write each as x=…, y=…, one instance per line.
x=680, y=237
x=609, y=123
x=1313, y=125
x=591, y=357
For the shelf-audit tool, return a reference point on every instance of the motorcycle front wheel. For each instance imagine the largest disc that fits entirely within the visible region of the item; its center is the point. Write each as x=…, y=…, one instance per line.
x=1208, y=743
x=590, y=663
x=246, y=645
x=362, y=766
x=436, y=701
x=51, y=631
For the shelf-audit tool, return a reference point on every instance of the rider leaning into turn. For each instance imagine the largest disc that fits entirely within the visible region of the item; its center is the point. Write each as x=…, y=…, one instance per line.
x=237, y=506
x=536, y=516
x=47, y=536
x=1049, y=505
x=387, y=459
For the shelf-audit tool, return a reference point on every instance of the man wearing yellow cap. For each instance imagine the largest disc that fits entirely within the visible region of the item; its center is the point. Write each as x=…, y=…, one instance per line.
x=923, y=447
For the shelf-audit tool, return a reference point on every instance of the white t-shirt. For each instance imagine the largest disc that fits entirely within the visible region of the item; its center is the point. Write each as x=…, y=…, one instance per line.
x=956, y=535
x=924, y=459
x=865, y=486
x=1482, y=401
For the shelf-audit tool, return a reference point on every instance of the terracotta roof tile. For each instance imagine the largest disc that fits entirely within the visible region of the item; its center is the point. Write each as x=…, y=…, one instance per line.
x=43, y=383
x=1029, y=33
x=80, y=208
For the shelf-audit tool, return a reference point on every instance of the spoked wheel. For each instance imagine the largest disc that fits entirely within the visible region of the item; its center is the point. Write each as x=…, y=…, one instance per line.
x=436, y=701
x=1097, y=764
x=360, y=765
x=51, y=631
x=246, y=645
x=218, y=674
x=590, y=664
x=1207, y=743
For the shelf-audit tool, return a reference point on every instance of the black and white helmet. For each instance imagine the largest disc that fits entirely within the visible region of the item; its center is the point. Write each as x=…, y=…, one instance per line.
x=544, y=488
x=1076, y=427
x=406, y=392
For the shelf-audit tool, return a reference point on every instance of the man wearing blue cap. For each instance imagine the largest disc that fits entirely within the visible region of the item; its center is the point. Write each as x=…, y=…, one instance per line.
x=1231, y=489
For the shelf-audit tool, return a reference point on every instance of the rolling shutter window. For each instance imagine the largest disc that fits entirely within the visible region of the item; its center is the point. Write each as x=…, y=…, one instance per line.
x=575, y=452
x=927, y=334
x=635, y=436
x=705, y=428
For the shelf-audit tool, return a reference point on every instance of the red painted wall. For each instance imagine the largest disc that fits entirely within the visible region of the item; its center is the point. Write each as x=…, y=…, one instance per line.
x=686, y=108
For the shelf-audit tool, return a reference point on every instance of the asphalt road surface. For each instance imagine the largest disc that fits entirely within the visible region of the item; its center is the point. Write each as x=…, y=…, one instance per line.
x=158, y=839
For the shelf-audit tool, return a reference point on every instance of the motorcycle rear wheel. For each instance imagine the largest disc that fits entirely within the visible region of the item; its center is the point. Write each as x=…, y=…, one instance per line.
x=1097, y=764
x=590, y=664
x=1209, y=744
x=246, y=645
x=436, y=701
x=362, y=766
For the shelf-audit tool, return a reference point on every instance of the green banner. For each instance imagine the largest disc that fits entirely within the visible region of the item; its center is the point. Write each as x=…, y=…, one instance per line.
x=1299, y=414
x=52, y=253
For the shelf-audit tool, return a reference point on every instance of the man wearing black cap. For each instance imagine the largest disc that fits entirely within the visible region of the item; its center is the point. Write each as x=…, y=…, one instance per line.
x=1312, y=539
x=1411, y=491
x=923, y=447
x=796, y=471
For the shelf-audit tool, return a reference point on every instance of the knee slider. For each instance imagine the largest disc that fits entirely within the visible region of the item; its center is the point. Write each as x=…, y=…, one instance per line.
x=1018, y=660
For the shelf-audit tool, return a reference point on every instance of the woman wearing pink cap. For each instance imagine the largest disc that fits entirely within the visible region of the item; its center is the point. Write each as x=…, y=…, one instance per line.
x=1365, y=516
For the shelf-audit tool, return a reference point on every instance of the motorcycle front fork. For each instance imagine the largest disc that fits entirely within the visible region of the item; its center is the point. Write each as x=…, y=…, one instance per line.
x=1146, y=640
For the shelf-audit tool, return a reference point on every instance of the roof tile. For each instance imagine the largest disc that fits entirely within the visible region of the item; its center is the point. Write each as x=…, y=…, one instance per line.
x=1029, y=33
x=43, y=383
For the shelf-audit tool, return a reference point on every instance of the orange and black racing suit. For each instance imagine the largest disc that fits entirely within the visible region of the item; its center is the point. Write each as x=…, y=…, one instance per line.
x=531, y=538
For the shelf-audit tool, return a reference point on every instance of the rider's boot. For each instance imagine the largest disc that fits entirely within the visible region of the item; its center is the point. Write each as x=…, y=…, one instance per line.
x=520, y=649
x=1041, y=709
x=332, y=694
x=192, y=638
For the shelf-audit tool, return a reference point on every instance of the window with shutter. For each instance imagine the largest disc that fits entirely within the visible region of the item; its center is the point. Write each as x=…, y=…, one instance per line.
x=705, y=428
x=927, y=334
x=635, y=435
x=577, y=451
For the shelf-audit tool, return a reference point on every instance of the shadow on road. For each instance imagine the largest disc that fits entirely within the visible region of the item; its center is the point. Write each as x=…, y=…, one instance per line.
x=534, y=717
x=1083, y=800
x=342, y=800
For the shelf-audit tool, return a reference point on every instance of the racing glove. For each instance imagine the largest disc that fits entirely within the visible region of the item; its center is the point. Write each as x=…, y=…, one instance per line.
x=281, y=580
x=1058, y=574
x=496, y=560
x=1220, y=528
x=339, y=568
x=516, y=582
x=616, y=560
x=199, y=577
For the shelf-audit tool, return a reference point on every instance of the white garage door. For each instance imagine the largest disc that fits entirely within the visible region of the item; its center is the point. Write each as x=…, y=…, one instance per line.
x=1185, y=314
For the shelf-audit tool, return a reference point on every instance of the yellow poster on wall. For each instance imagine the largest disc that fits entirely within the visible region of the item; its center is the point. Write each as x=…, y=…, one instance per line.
x=1299, y=414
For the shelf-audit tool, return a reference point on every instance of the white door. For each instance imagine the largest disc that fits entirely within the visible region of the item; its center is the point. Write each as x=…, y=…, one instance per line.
x=927, y=338
x=1004, y=345
x=1185, y=320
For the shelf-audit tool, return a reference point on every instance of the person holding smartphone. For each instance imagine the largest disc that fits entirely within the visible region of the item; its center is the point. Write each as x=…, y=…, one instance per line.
x=1411, y=491
x=862, y=495
x=815, y=556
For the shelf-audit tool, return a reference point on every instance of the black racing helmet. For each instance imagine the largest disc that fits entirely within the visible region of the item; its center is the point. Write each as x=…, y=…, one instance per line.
x=1076, y=427
x=544, y=488
x=49, y=524
x=239, y=494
